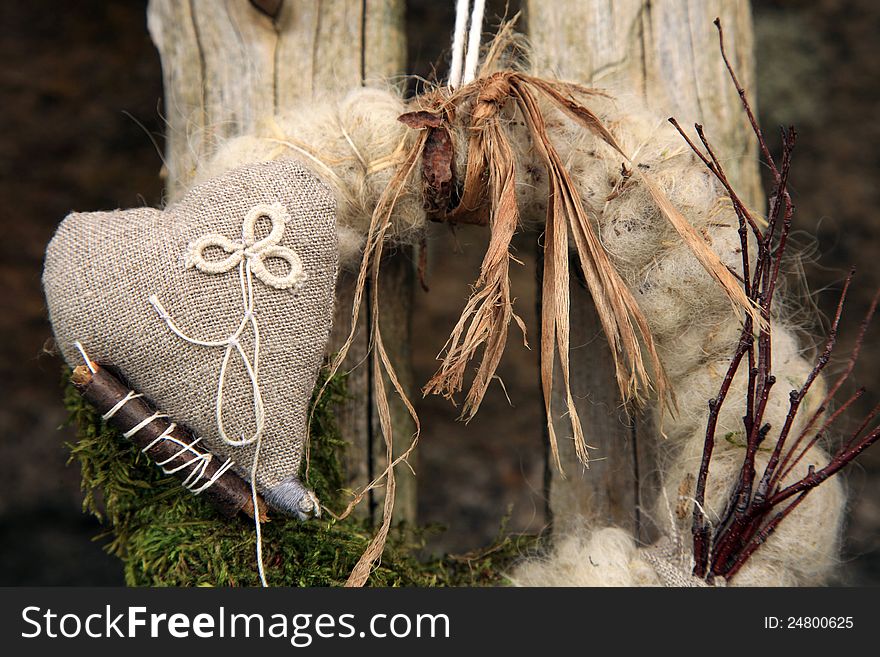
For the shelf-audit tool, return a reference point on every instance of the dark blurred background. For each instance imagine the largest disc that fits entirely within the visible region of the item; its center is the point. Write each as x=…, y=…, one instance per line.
x=80, y=101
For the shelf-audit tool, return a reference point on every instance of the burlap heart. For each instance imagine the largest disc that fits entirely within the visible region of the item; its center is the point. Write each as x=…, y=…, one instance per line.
x=226, y=296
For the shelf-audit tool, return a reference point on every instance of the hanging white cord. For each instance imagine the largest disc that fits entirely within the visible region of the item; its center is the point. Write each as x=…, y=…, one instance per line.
x=474, y=38
x=458, y=41
x=249, y=256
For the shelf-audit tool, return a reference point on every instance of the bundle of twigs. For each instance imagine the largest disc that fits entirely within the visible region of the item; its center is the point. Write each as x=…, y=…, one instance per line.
x=758, y=504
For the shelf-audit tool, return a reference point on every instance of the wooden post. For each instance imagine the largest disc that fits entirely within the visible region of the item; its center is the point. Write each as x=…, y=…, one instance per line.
x=229, y=65
x=666, y=51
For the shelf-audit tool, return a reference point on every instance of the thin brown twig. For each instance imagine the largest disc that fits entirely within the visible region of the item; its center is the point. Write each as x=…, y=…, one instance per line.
x=753, y=513
x=745, y=102
x=844, y=376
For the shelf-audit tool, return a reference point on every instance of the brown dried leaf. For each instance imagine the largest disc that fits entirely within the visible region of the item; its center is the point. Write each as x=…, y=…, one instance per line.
x=421, y=119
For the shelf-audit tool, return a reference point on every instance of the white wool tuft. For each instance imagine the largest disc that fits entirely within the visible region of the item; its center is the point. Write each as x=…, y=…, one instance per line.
x=605, y=557
x=353, y=142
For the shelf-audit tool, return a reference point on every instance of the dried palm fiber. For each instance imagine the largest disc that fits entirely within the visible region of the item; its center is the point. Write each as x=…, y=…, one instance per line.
x=489, y=105
x=695, y=334
x=491, y=197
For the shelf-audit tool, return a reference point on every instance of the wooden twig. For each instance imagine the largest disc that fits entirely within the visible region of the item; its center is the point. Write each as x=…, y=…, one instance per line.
x=745, y=101
x=844, y=376
x=700, y=527
x=167, y=444
x=753, y=513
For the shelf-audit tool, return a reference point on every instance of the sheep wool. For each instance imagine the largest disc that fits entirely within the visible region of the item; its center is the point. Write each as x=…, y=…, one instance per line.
x=604, y=557
x=356, y=144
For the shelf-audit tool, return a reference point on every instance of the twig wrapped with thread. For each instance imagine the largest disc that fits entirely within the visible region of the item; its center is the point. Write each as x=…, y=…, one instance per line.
x=173, y=449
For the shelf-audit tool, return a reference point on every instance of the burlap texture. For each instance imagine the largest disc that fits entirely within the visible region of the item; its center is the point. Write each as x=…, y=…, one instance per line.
x=673, y=564
x=101, y=269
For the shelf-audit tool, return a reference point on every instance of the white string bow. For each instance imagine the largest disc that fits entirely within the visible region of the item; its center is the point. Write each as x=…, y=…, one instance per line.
x=249, y=255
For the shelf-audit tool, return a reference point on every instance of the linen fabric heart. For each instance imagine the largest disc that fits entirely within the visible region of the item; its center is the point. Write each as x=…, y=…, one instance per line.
x=218, y=309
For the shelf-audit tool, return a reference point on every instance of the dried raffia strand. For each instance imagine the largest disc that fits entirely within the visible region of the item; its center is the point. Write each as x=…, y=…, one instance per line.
x=600, y=276
x=382, y=366
x=488, y=312
x=485, y=319
x=695, y=242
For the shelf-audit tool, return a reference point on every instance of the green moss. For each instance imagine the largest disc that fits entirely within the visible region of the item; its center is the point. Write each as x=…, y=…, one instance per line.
x=738, y=439
x=167, y=537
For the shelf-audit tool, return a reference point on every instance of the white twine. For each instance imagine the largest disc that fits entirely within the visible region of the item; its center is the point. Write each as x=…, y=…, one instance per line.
x=143, y=423
x=455, y=72
x=463, y=70
x=249, y=255
x=200, y=460
x=85, y=356
x=122, y=402
x=476, y=33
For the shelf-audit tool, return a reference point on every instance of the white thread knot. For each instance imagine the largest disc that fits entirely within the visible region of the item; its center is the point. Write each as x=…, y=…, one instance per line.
x=255, y=251
x=249, y=256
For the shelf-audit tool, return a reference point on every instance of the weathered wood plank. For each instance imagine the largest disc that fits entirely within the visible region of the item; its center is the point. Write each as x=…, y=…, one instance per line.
x=666, y=51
